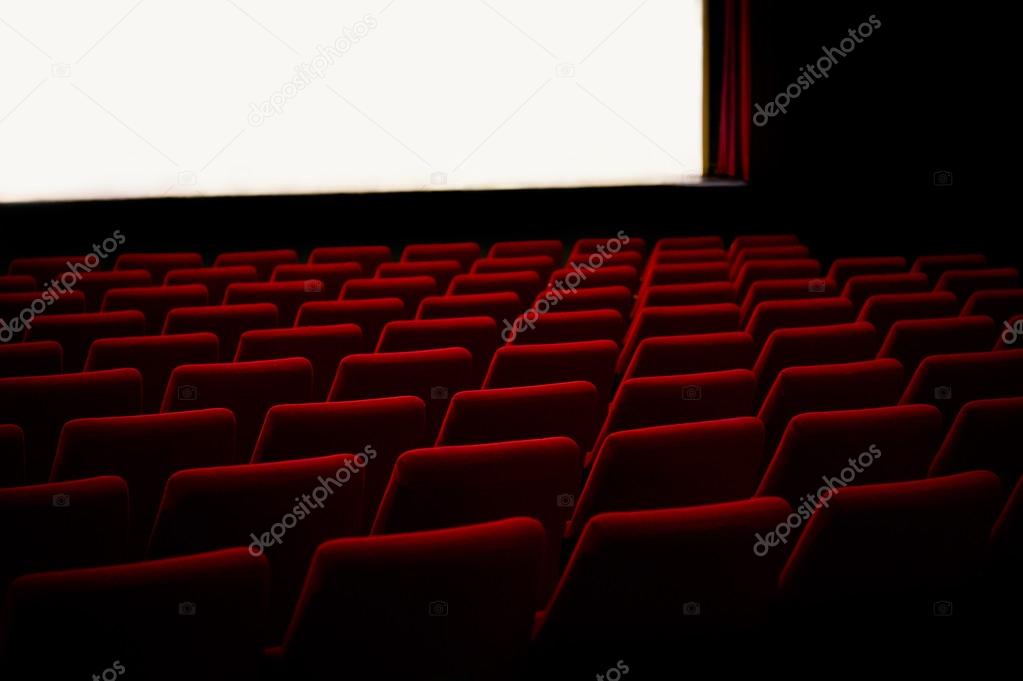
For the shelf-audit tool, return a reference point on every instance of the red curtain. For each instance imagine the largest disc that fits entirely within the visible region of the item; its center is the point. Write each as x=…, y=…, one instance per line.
x=736, y=92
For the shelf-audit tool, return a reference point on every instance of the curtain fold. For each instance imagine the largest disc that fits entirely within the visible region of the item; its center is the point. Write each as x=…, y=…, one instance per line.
x=736, y=115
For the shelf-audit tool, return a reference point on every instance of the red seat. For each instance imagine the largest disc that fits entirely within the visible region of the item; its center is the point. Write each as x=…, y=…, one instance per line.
x=829, y=387
x=698, y=353
x=464, y=252
x=785, y=289
x=633, y=259
x=369, y=315
x=934, y=265
x=896, y=550
x=12, y=456
x=322, y=496
x=584, y=276
x=478, y=335
x=323, y=346
x=144, y=451
x=524, y=284
x=691, y=255
x=885, y=309
x=199, y=616
x=687, y=243
x=771, y=315
x=530, y=412
x=999, y=304
x=17, y=283
x=813, y=345
x=706, y=293
x=842, y=269
x=791, y=268
x=787, y=252
x=742, y=242
x=861, y=287
x=912, y=340
x=668, y=400
x=31, y=359
x=543, y=265
x=687, y=273
x=964, y=283
x=497, y=306
x=527, y=478
x=369, y=257
x=616, y=298
x=47, y=268
x=226, y=322
x=155, y=302
x=520, y=365
x=633, y=577
x=94, y=285
x=76, y=332
x=19, y=310
x=286, y=296
x=977, y=440
x=950, y=381
x=411, y=290
x=517, y=249
x=431, y=375
x=388, y=426
x=157, y=264
x=248, y=389
x=677, y=321
x=534, y=327
x=447, y=618
x=155, y=357
x=442, y=271
x=600, y=245
x=263, y=261
x=63, y=525
x=215, y=279
x=331, y=275
x=41, y=405
x=824, y=451
x=673, y=466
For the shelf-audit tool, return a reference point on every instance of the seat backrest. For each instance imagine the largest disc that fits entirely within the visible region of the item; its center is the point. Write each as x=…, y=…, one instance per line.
x=525, y=284
x=410, y=290
x=465, y=252
x=478, y=335
x=934, y=265
x=520, y=365
x=698, y=353
x=226, y=322
x=31, y=359
x=497, y=306
x=537, y=327
x=911, y=340
x=999, y=304
x=442, y=271
x=215, y=279
x=286, y=296
x=155, y=302
x=76, y=332
x=842, y=269
x=964, y=283
x=771, y=315
x=978, y=437
x=861, y=287
x=369, y=257
x=157, y=264
x=886, y=309
x=950, y=381
x=331, y=275
x=263, y=261
x=552, y=248
x=369, y=315
x=813, y=345
x=677, y=321
x=94, y=285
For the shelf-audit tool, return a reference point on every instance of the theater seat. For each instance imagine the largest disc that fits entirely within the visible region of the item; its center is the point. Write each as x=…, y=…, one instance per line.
x=46, y=268
x=31, y=359
x=687, y=273
x=12, y=456
x=263, y=261
x=601, y=244
x=535, y=327
x=226, y=322
x=524, y=284
x=526, y=478
x=950, y=381
x=41, y=405
x=912, y=340
x=707, y=293
x=672, y=466
x=935, y=265
x=63, y=525
x=789, y=268
x=543, y=265
x=616, y=298
x=157, y=264
x=645, y=576
x=155, y=302
x=829, y=387
x=886, y=309
x=155, y=357
x=860, y=288
x=896, y=551
x=286, y=296
x=323, y=346
x=464, y=608
x=215, y=279
x=633, y=259
x=389, y=426
x=689, y=255
x=666, y=400
x=442, y=271
x=19, y=310
x=331, y=275
x=323, y=496
x=499, y=414
x=248, y=389
x=964, y=283
x=551, y=248
x=823, y=451
x=144, y=451
x=478, y=335
x=789, y=252
x=410, y=290
x=842, y=269
x=196, y=617
x=465, y=253
x=813, y=345
x=744, y=241
x=369, y=257
x=94, y=285
x=521, y=365
x=979, y=439
x=771, y=315
x=76, y=332
x=369, y=315
x=585, y=275
x=785, y=289
x=17, y=283
x=686, y=243
x=497, y=306
x=677, y=321
x=698, y=353
x=999, y=304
